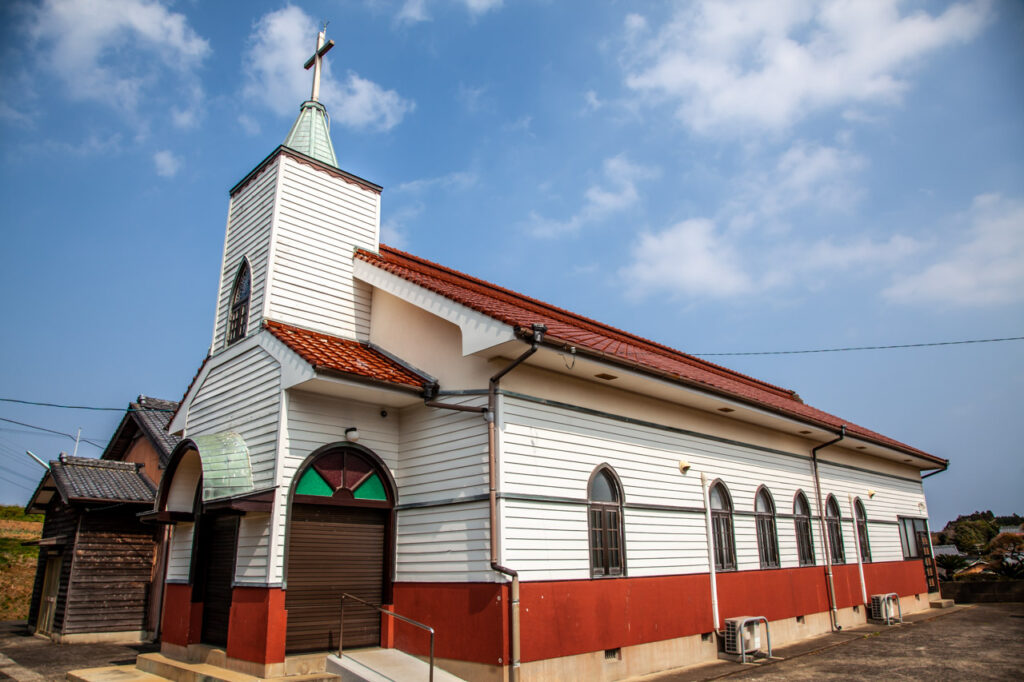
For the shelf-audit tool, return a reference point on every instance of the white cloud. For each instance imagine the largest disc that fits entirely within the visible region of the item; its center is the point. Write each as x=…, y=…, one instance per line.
x=280, y=44
x=361, y=103
x=749, y=247
x=616, y=193
x=167, y=164
x=119, y=51
x=691, y=258
x=412, y=12
x=805, y=175
x=416, y=11
x=754, y=65
x=984, y=269
x=459, y=180
x=395, y=224
x=593, y=102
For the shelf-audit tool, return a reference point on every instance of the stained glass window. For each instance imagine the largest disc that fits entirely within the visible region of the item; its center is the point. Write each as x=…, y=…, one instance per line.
x=343, y=474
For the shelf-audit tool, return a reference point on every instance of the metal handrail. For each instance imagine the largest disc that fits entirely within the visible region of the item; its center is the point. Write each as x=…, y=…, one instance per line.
x=410, y=621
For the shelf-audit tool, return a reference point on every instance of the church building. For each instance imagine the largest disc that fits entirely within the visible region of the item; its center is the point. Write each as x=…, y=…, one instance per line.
x=557, y=498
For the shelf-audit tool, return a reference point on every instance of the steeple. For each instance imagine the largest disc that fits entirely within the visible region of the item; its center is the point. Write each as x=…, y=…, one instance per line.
x=311, y=132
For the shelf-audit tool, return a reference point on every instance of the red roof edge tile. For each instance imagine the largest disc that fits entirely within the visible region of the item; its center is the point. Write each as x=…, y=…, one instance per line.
x=347, y=357
x=614, y=345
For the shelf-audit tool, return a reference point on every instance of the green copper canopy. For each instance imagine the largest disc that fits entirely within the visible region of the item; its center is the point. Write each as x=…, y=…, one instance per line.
x=226, y=467
x=311, y=133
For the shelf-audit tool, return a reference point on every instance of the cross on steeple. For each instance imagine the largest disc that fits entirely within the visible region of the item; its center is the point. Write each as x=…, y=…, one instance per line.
x=316, y=61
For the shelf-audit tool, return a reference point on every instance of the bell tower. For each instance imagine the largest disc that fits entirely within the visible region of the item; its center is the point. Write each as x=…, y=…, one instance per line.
x=293, y=225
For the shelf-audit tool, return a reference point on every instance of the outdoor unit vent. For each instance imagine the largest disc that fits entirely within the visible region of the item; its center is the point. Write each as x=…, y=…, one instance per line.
x=886, y=608
x=742, y=635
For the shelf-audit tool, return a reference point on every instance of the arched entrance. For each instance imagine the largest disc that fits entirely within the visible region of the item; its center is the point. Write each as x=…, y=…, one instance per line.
x=340, y=539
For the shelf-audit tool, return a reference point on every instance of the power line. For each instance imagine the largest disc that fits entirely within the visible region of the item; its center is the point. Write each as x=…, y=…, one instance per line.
x=83, y=407
x=16, y=473
x=841, y=350
x=59, y=433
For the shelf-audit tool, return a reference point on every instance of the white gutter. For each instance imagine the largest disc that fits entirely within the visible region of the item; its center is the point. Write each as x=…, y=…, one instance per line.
x=711, y=549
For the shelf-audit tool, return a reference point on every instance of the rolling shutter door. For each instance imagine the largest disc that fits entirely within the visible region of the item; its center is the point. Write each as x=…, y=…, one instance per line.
x=332, y=550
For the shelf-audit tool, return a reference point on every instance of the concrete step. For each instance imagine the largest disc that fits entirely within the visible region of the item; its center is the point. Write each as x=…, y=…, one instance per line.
x=159, y=668
x=113, y=673
x=384, y=665
x=942, y=603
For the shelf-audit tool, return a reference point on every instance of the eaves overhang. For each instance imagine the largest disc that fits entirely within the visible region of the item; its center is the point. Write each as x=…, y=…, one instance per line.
x=739, y=406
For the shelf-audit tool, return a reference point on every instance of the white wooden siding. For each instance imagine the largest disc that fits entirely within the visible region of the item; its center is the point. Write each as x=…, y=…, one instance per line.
x=242, y=394
x=314, y=421
x=443, y=453
x=179, y=558
x=321, y=220
x=251, y=557
x=551, y=451
x=250, y=217
x=444, y=544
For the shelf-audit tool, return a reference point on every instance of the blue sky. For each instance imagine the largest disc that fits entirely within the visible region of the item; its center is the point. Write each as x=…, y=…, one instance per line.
x=720, y=177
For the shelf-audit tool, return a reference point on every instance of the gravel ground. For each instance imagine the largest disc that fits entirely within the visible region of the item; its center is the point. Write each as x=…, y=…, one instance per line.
x=981, y=642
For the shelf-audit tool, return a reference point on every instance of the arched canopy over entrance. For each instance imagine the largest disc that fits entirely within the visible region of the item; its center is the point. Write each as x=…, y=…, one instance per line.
x=217, y=463
x=340, y=540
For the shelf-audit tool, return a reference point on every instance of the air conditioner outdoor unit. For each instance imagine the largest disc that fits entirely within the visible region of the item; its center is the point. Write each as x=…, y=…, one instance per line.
x=742, y=635
x=884, y=607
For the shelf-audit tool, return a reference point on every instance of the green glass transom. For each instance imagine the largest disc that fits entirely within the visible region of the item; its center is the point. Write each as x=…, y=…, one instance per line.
x=370, y=489
x=313, y=483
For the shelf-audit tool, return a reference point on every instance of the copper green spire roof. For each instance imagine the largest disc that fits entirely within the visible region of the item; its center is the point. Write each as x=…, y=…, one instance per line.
x=311, y=133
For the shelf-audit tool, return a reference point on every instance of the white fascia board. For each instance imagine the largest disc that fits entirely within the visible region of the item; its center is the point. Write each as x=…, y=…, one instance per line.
x=294, y=369
x=479, y=332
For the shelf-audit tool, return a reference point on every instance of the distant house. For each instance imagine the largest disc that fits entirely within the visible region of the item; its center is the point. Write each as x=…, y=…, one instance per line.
x=100, y=571
x=1013, y=530
x=942, y=550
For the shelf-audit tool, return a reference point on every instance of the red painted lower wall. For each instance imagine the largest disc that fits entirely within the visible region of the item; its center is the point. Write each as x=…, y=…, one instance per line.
x=257, y=626
x=774, y=594
x=182, y=618
x=470, y=619
x=576, y=616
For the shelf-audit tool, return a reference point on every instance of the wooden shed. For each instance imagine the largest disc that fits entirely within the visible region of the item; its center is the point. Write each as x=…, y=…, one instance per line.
x=96, y=559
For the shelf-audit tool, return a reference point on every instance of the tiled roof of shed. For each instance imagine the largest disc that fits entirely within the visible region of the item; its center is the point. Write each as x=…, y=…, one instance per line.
x=151, y=416
x=613, y=344
x=343, y=355
x=85, y=479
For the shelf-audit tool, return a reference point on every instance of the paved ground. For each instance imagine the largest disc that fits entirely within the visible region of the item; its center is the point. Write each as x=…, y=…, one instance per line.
x=26, y=658
x=978, y=642
x=981, y=642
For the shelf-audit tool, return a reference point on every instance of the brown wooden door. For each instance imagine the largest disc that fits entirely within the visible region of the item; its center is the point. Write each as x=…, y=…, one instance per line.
x=332, y=550
x=218, y=537
x=48, y=600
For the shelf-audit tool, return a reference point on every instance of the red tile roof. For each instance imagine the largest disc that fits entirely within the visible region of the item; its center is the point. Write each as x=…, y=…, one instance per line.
x=342, y=355
x=614, y=345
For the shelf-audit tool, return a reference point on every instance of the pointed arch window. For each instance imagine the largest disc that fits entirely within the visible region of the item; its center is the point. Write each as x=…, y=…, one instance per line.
x=833, y=521
x=862, y=530
x=721, y=527
x=238, y=311
x=767, y=537
x=604, y=496
x=802, y=525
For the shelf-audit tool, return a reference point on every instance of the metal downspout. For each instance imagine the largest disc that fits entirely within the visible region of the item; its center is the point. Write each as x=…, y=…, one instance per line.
x=489, y=413
x=492, y=466
x=711, y=549
x=856, y=544
x=833, y=611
